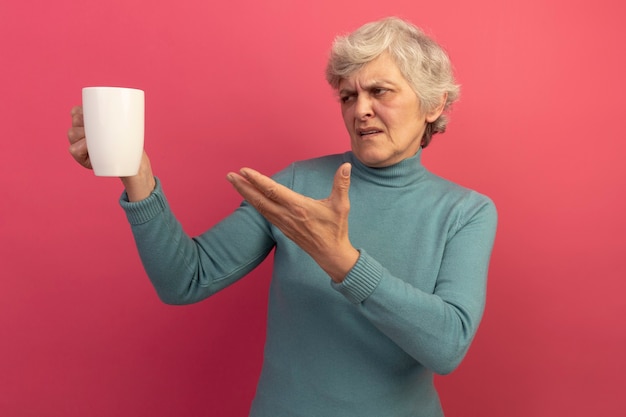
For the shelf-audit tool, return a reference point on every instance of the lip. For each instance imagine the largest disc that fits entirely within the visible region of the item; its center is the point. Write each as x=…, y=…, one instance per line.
x=368, y=131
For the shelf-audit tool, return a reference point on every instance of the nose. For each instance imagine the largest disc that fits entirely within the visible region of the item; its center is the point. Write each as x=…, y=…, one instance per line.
x=363, y=107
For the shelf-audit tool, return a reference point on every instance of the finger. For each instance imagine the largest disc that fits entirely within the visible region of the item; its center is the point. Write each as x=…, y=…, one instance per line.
x=77, y=116
x=243, y=187
x=78, y=150
x=341, y=186
x=77, y=131
x=76, y=134
x=269, y=188
x=265, y=206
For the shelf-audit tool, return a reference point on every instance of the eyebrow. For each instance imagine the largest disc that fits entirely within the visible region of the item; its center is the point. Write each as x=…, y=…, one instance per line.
x=368, y=86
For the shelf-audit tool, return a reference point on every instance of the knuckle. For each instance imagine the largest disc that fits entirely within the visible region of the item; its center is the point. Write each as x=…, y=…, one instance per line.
x=300, y=212
x=74, y=134
x=343, y=208
x=271, y=193
x=77, y=120
x=259, y=205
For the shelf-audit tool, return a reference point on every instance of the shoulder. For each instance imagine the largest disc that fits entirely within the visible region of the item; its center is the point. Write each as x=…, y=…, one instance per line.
x=465, y=204
x=444, y=187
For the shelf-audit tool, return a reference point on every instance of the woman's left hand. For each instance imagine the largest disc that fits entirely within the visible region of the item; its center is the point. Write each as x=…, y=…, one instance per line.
x=319, y=227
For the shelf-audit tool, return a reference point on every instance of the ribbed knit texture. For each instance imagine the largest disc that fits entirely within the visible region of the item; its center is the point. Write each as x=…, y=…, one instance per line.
x=361, y=281
x=367, y=347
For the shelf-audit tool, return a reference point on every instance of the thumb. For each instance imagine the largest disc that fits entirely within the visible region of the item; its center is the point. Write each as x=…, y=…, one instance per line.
x=341, y=185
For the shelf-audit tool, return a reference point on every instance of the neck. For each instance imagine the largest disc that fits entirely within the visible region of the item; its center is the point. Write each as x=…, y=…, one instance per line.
x=401, y=174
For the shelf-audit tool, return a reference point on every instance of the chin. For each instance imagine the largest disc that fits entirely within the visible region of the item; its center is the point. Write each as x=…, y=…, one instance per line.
x=373, y=156
x=372, y=161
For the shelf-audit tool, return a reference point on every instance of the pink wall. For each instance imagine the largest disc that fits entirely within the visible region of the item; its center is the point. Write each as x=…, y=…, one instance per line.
x=241, y=83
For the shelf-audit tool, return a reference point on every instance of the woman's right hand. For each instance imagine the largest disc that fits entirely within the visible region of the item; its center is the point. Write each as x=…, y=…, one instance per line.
x=76, y=136
x=137, y=187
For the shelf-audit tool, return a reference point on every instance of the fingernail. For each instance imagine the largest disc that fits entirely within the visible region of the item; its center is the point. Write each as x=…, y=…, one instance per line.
x=346, y=170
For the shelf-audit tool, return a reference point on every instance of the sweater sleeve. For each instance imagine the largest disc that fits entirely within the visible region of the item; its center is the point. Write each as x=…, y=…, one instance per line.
x=185, y=270
x=434, y=328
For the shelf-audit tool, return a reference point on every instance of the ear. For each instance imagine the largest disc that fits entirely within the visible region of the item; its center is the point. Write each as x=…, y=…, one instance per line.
x=434, y=115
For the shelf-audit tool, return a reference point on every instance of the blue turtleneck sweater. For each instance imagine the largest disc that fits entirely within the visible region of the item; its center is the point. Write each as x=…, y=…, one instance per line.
x=368, y=346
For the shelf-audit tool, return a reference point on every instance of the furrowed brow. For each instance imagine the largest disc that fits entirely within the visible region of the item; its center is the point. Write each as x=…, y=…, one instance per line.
x=346, y=91
x=377, y=84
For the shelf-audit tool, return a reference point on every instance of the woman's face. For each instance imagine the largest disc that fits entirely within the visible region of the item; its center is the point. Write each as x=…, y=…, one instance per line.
x=382, y=114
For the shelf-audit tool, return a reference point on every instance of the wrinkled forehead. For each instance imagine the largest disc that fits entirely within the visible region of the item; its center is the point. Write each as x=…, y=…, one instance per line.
x=381, y=70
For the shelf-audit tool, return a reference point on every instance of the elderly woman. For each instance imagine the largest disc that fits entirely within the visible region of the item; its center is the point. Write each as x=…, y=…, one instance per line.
x=376, y=286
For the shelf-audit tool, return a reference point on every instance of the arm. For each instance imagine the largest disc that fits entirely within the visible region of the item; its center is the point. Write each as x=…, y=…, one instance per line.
x=436, y=329
x=182, y=270
x=185, y=270
x=434, y=326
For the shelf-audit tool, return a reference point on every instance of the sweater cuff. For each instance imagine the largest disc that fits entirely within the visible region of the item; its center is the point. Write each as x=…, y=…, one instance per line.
x=362, y=279
x=139, y=212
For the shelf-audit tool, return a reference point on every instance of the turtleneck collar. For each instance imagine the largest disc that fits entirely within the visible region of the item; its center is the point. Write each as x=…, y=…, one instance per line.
x=404, y=173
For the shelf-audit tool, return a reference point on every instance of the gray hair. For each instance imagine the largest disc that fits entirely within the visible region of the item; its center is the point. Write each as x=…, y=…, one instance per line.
x=424, y=64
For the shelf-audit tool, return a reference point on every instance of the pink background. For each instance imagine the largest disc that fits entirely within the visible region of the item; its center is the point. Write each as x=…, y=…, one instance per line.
x=539, y=128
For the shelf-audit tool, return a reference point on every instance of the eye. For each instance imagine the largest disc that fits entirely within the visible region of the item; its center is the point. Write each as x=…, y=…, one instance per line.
x=346, y=98
x=379, y=91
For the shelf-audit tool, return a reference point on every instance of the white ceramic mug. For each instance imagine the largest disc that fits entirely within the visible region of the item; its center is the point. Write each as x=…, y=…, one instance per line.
x=114, y=129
